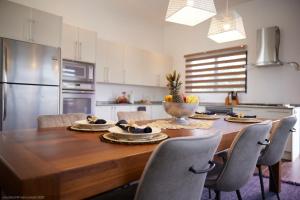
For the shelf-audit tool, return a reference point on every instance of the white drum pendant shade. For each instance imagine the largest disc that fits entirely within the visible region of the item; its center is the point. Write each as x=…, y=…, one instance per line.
x=225, y=28
x=190, y=12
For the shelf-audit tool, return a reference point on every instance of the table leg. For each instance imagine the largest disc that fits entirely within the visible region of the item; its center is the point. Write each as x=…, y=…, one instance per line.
x=277, y=178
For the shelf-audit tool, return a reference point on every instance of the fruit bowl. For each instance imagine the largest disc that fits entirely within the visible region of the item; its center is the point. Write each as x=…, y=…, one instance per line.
x=180, y=111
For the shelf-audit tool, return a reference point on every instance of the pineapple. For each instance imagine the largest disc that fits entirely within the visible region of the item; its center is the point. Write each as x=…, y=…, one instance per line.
x=174, y=85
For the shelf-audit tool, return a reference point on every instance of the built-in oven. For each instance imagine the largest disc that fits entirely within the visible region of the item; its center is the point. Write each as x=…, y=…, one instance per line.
x=78, y=102
x=78, y=71
x=78, y=87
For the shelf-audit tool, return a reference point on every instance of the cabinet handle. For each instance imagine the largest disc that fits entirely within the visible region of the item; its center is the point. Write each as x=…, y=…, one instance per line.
x=106, y=74
x=75, y=50
x=80, y=51
x=31, y=30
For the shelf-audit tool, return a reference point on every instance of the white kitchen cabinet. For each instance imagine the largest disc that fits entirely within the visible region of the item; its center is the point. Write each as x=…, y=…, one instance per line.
x=117, y=63
x=292, y=150
x=28, y=24
x=14, y=20
x=78, y=44
x=46, y=28
x=134, y=64
x=87, y=45
x=110, y=62
x=69, y=42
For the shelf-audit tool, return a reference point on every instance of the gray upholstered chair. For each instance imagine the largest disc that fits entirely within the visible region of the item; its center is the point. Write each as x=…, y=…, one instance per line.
x=274, y=151
x=176, y=170
x=51, y=121
x=239, y=161
x=133, y=116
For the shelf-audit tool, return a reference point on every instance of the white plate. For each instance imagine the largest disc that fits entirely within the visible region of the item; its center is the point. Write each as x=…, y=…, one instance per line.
x=207, y=117
x=242, y=120
x=84, y=124
x=121, y=134
x=75, y=128
x=157, y=138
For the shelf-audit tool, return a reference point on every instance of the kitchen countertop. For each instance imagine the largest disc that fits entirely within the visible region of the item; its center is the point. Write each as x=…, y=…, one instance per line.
x=242, y=105
x=111, y=103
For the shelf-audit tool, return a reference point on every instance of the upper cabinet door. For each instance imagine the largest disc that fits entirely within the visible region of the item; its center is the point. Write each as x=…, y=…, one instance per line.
x=46, y=28
x=101, y=67
x=114, y=62
x=134, y=64
x=69, y=48
x=14, y=21
x=87, y=45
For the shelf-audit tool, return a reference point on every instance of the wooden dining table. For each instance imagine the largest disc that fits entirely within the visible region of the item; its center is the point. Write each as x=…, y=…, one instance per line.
x=58, y=163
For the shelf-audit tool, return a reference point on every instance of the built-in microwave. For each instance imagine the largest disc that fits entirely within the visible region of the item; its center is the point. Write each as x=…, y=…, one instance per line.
x=78, y=71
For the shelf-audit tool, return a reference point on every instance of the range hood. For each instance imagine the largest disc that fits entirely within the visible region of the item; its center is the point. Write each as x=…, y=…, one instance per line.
x=268, y=40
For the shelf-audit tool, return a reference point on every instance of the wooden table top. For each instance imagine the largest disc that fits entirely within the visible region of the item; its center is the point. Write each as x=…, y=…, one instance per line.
x=78, y=164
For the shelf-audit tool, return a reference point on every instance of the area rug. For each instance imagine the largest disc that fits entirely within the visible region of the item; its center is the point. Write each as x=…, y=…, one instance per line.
x=251, y=191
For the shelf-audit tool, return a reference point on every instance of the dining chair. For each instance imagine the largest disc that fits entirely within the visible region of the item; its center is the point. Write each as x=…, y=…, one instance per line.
x=133, y=116
x=239, y=161
x=176, y=170
x=273, y=153
x=51, y=121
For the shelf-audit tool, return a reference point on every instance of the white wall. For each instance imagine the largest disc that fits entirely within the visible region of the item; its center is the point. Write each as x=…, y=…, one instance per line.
x=265, y=85
x=109, y=92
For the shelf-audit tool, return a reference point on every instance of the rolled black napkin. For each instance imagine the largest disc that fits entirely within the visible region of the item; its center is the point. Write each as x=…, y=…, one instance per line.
x=206, y=113
x=94, y=120
x=130, y=129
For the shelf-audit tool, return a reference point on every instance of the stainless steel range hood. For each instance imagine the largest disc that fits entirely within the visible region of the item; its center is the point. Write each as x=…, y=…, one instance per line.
x=268, y=40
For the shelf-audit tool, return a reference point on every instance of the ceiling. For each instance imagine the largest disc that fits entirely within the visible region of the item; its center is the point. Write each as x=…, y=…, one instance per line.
x=155, y=10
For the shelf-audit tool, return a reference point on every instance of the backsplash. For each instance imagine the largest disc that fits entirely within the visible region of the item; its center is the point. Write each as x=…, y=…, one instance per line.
x=109, y=92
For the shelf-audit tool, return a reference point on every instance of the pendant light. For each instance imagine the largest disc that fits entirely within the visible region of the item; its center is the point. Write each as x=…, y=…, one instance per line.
x=227, y=27
x=190, y=12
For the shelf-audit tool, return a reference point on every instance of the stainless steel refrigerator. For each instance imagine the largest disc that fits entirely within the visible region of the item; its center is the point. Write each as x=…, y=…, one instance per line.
x=29, y=83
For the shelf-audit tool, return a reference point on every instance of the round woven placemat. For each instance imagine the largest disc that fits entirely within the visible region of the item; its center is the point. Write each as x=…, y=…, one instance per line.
x=106, y=137
x=249, y=120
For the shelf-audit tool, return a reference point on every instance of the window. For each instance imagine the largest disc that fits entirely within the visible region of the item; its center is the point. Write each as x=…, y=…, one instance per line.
x=222, y=70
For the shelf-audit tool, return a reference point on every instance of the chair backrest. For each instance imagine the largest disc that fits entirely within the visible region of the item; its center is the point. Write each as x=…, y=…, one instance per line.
x=51, y=121
x=133, y=116
x=242, y=157
x=167, y=176
x=279, y=138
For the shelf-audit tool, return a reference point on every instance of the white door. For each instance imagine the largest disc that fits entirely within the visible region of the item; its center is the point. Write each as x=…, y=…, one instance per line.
x=114, y=64
x=101, y=67
x=69, y=48
x=87, y=45
x=134, y=66
x=14, y=21
x=46, y=28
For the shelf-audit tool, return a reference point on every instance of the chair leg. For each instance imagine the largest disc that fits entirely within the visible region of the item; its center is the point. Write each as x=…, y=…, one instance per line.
x=218, y=195
x=272, y=179
x=261, y=182
x=209, y=193
x=238, y=194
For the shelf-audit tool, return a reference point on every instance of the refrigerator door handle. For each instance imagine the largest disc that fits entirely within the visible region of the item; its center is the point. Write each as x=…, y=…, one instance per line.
x=4, y=103
x=5, y=64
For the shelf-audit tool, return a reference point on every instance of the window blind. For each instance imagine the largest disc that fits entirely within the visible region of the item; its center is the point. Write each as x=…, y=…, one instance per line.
x=222, y=70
